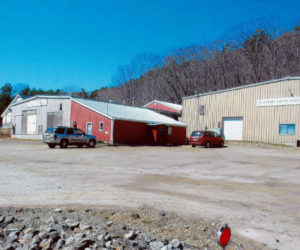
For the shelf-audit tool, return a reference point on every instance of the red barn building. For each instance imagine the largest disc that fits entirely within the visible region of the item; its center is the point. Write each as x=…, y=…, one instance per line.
x=166, y=108
x=122, y=124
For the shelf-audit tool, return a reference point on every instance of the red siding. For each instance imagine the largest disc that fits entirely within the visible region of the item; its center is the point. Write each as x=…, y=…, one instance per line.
x=158, y=106
x=138, y=133
x=83, y=115
x=178, y=136
x=133, y=133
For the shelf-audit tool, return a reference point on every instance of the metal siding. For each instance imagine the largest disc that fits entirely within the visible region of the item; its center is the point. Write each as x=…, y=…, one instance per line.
x=41, y=111
x=260, y=123
x=54, y=119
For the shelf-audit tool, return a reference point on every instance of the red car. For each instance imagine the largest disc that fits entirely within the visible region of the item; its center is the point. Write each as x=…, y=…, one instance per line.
x=206, y=138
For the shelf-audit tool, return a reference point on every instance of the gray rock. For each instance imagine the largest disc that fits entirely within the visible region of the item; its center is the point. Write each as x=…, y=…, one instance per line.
x=70, y=241
x=85, y=227
x=55, y=236
x=35, y=240
x=131, y=235
x=84, y=243
x=46, y=244
x=156, y=245
x=100, y=237
x=79, y=236
x=168, y=247
x=107, y=237
x=186, y=226
x=72, y=224
x=58, y=210
x=109, y=223
x=52, y=220
x=162, y=213
x=13, y=236
x=2, y=218
x=108, y=244
x=60, y=243
x=176, y=243
x=43, y=235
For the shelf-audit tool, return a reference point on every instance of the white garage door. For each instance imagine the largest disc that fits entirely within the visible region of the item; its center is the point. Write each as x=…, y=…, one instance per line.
x=31, y=124
x=233, y=128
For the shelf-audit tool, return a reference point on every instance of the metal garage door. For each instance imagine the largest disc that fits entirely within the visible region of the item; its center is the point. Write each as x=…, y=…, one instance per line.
x=233, y=128
x=54, y=119
x=31, y=124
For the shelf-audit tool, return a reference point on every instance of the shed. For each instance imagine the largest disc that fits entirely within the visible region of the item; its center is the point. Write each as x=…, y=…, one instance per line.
x=172, y=110
x=121, y=124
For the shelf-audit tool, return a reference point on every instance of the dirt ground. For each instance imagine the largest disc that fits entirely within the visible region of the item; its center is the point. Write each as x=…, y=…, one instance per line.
x=255, y=189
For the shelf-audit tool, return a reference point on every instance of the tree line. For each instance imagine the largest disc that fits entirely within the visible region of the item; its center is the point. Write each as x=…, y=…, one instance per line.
x=258, y=57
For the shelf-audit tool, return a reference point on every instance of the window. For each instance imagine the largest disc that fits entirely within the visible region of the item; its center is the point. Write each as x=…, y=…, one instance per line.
x=287, y=129
x=79, y=132
x=101, y=126
x=169, y=130
x=60, y=106
x=197, y=133
x=70, y=131
x=60, y=130
x=201, y=110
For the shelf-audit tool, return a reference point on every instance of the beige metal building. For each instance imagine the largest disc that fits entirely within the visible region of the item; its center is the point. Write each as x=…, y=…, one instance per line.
x=266, y=111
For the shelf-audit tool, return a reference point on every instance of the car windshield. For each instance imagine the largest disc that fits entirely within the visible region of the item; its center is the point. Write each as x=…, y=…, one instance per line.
x=49, y=130
x=197, y=133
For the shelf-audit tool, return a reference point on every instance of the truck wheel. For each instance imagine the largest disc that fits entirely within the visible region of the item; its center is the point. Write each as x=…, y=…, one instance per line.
x=64, y=143
x=51, y=145
x=193, y=146
x=91, y=143
x=222, y=144
x=208, y=145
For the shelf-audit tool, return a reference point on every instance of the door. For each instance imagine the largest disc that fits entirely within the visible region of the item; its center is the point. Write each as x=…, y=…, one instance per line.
x=89, y=128
x=54, y=119
x=233, y=128
x=71, y=135
x=31, y=124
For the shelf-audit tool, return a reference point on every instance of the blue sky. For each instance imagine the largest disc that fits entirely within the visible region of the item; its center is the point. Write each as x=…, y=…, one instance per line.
x=58, y=43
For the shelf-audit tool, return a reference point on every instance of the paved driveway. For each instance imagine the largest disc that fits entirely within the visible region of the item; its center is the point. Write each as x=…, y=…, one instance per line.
x=255, y=190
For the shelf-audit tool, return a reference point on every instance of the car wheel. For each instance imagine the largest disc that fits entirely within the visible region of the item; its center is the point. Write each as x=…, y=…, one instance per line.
x=79, y=145
x=64, y=144
x=91, y=143
x=222, y=144
x=193, y=146
x=50, y=145
x=207, y=145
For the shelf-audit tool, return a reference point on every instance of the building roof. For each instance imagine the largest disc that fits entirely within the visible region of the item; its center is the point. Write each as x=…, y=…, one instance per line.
x=168, y=104
x=22, y=98
x=16, y=99
x=42, y=96
x=244, y=86
x=128, y=113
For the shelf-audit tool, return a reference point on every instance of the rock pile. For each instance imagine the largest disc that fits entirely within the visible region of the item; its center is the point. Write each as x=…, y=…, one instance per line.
x=69, y=229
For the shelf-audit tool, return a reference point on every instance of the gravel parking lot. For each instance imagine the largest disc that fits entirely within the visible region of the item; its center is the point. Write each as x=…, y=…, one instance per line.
x=255, y=189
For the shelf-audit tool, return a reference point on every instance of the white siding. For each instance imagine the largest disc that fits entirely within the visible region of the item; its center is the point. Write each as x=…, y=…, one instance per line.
x=52, y=105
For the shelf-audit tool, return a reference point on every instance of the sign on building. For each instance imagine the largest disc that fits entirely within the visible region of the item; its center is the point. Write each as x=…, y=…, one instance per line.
x=278, y=101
